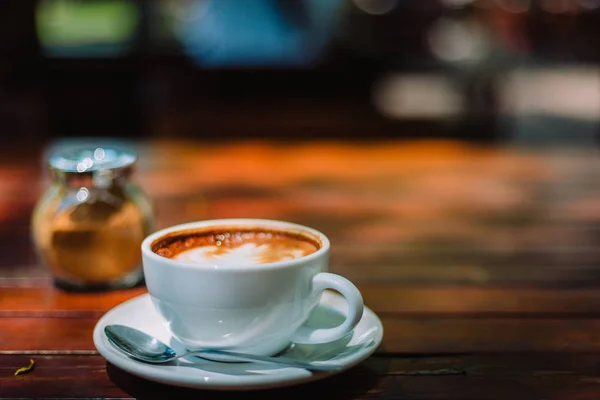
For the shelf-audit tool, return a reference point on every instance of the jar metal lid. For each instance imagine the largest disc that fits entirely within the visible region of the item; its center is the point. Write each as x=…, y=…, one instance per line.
x=93, y=162
x=90, y=157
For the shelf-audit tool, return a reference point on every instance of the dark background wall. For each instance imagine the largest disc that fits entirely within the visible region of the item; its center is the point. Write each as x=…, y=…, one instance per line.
x=157, y=87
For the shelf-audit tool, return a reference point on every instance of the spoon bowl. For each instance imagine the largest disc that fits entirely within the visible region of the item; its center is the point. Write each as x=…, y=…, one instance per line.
x=143, y=347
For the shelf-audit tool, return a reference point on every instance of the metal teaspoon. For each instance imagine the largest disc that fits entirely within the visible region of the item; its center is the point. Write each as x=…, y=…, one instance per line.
x=143, y=347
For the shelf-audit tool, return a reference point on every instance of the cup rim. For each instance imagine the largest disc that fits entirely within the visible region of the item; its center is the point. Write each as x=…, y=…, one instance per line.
x=252, y=222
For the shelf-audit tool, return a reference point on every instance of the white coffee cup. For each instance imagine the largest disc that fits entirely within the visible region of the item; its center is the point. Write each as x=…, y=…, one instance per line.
x=255, y=309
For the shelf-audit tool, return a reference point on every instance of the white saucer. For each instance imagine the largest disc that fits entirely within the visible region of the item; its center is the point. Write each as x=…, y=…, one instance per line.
x=198, y=373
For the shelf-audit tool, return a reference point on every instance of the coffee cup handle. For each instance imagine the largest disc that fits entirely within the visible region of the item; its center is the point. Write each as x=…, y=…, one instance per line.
x=320, y=282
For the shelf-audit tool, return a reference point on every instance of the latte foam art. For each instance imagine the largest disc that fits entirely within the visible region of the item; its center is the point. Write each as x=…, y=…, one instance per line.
x=244, y=254
x=234, y=247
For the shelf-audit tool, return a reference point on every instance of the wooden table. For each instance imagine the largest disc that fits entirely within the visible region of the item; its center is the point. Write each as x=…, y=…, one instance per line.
x=483, y=264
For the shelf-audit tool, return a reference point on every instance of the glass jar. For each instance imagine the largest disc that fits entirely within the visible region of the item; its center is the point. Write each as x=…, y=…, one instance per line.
x=89, y=224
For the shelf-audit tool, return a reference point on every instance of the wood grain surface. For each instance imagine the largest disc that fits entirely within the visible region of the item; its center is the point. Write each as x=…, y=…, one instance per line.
x=482, y=263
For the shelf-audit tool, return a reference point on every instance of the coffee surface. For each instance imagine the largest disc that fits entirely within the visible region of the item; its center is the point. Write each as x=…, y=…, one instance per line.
x=234, y=247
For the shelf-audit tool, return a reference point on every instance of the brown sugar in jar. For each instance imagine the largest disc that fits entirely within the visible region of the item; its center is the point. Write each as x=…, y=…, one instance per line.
x=89, y=224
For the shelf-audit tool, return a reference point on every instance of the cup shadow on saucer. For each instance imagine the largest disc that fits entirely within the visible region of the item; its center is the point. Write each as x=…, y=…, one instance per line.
x=322, y=317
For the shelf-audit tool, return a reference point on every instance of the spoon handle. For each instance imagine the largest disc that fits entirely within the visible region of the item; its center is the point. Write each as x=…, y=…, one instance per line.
x=263, y=359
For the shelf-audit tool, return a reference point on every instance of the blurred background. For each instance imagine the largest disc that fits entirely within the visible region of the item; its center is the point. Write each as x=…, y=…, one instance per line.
x=457, y=138
x=522, y=71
